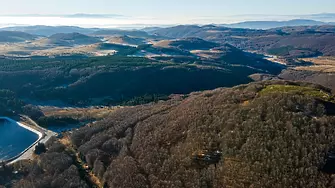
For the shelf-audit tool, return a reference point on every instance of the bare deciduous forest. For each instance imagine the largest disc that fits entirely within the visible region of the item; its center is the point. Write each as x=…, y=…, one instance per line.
x=273, y=133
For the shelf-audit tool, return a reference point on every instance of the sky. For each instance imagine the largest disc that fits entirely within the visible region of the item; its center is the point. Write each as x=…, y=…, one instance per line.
x=167, y=7
x=166, y=11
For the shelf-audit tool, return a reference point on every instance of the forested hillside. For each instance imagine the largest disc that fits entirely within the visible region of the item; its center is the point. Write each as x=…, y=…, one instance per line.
x=116, y=79
x=11, y=105
x=288, y=42
x=325, y=79
x=15, y=36
x=71, y=39
x=270, y=133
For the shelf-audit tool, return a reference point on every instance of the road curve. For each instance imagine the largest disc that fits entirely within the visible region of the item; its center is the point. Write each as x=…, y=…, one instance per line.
x=46, y=135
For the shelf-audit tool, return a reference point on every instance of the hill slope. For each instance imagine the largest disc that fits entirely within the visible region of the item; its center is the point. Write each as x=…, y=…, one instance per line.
x=324, y=79
x=115, y=79
x=15, y=36
x=117, y=32
x=69, y=39
x=287, y=42
x=126, y=40
x=269, y=133
x=180, y=31
x=188, y=44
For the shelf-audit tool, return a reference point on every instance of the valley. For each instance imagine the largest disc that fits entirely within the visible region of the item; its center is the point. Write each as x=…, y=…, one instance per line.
x=141, y=108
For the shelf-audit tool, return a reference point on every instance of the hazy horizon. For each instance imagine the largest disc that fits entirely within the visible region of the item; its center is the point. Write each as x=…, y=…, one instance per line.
x=111, y=13
x=121, y=21
x=168, y=9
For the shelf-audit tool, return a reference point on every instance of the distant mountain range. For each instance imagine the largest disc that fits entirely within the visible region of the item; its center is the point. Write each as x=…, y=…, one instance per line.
x=259, y=24
x=322, y=16
x=275, y=24
x=149, y=29
x=290, y=41
x=118, y=32
x=299, y=41
x=49, y=30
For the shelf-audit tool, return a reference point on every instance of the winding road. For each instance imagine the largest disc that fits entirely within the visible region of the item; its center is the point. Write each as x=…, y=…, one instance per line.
x=47, y=134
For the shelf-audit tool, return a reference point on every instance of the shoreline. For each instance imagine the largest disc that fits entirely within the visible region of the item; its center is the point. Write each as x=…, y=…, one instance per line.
x=40, y=136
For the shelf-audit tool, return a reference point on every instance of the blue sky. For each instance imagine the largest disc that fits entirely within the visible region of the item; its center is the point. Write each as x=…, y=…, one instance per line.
x=167, y=8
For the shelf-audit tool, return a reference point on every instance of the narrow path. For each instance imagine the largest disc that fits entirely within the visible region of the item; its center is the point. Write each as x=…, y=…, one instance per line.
x=85, y=174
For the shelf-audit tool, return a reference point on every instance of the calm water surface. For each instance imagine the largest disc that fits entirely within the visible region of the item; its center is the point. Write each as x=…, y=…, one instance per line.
x=14, y=139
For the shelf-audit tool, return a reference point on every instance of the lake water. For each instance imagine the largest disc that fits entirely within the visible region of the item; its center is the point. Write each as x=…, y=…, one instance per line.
x=60, y=129
x=14, y=139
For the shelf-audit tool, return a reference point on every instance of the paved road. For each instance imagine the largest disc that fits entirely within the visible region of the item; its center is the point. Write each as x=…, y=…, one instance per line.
x=47, y=134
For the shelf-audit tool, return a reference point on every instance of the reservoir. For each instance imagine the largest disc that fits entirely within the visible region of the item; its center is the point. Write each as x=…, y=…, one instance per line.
x=14, y=139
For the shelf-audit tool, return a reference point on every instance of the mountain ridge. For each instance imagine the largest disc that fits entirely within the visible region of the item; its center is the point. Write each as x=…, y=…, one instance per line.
x=275, y=24
x=262, y=129
x=44, y=30
x=15, y=36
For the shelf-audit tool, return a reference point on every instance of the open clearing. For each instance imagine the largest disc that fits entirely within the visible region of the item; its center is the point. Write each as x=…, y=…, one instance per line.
x=78, y=113
x=324, y=64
